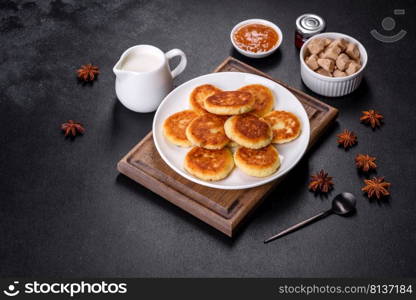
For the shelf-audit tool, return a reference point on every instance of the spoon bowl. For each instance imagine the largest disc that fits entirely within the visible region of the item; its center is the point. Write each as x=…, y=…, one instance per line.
x=343, y=203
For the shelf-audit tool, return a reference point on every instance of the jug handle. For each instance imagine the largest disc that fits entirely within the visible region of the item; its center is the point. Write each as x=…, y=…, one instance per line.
x=182, y=64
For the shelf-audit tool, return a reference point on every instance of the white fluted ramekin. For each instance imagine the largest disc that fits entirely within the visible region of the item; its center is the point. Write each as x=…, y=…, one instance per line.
x=332, y=86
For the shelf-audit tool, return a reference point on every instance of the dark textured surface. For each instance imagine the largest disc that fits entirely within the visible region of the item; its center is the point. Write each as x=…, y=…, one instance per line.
x=65, y=210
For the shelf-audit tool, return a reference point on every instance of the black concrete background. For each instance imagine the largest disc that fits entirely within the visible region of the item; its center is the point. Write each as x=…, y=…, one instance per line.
x=66, y=211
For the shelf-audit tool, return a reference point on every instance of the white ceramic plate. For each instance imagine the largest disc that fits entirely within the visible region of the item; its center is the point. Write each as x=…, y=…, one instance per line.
x=178, y=100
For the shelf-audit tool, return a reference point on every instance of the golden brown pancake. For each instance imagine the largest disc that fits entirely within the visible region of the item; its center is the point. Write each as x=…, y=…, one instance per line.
x=174, y=127
x=263, y=98
x=257, y=162
x=248, y=131
x=229, y=103
x=286, y=126
x=198, y=95
x=207, y=131
x=208, y=164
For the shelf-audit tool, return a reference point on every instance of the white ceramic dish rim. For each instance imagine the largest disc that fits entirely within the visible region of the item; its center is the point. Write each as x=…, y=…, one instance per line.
x=334, y=79
x=263, y=22
x=305, y=130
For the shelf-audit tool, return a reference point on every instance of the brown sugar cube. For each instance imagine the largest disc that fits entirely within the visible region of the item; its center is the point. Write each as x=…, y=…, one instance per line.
x=352, y=68
x=341, y=43
x=316, y=45
x=321, y=55
x=312, y=62
x=352, y=51
x=326, y=64
x=338, y=73
x=327, y=41
x=342, y=61
x=332, y=52
x=323, y=72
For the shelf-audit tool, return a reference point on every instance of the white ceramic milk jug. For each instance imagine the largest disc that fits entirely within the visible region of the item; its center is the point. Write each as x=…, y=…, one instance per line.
x=144, y=78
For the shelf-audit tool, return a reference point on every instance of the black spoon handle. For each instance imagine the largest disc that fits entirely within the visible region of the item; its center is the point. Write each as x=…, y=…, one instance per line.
x=299, y=225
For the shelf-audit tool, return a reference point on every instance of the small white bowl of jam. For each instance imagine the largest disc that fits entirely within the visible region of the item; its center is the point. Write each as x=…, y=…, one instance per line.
x=256, y=38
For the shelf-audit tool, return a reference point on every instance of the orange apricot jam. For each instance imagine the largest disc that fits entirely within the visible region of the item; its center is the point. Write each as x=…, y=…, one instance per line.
x=255, y=38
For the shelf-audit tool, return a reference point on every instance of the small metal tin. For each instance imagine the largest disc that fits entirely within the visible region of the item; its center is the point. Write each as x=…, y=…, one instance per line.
x=308, y=25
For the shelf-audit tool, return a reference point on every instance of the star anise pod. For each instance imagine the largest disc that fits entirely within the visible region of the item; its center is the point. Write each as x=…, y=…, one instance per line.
x=72, y=128
x=321, y=182
x=88, y=72
x=365, y=162
x=347, y=138
x=372, y=117
x=376, y=187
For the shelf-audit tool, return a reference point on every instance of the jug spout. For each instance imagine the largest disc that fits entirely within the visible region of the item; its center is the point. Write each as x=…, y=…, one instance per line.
x=120, y=73
x=117, y=68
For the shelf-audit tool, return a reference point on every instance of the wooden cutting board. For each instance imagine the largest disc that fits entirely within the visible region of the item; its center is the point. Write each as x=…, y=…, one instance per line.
x=223, y=209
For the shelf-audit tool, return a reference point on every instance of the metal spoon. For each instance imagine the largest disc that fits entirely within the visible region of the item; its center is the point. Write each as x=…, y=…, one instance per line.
x=342, y=204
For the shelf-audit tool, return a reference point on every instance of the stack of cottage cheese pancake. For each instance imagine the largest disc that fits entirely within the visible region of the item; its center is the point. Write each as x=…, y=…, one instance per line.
x=227, y=128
